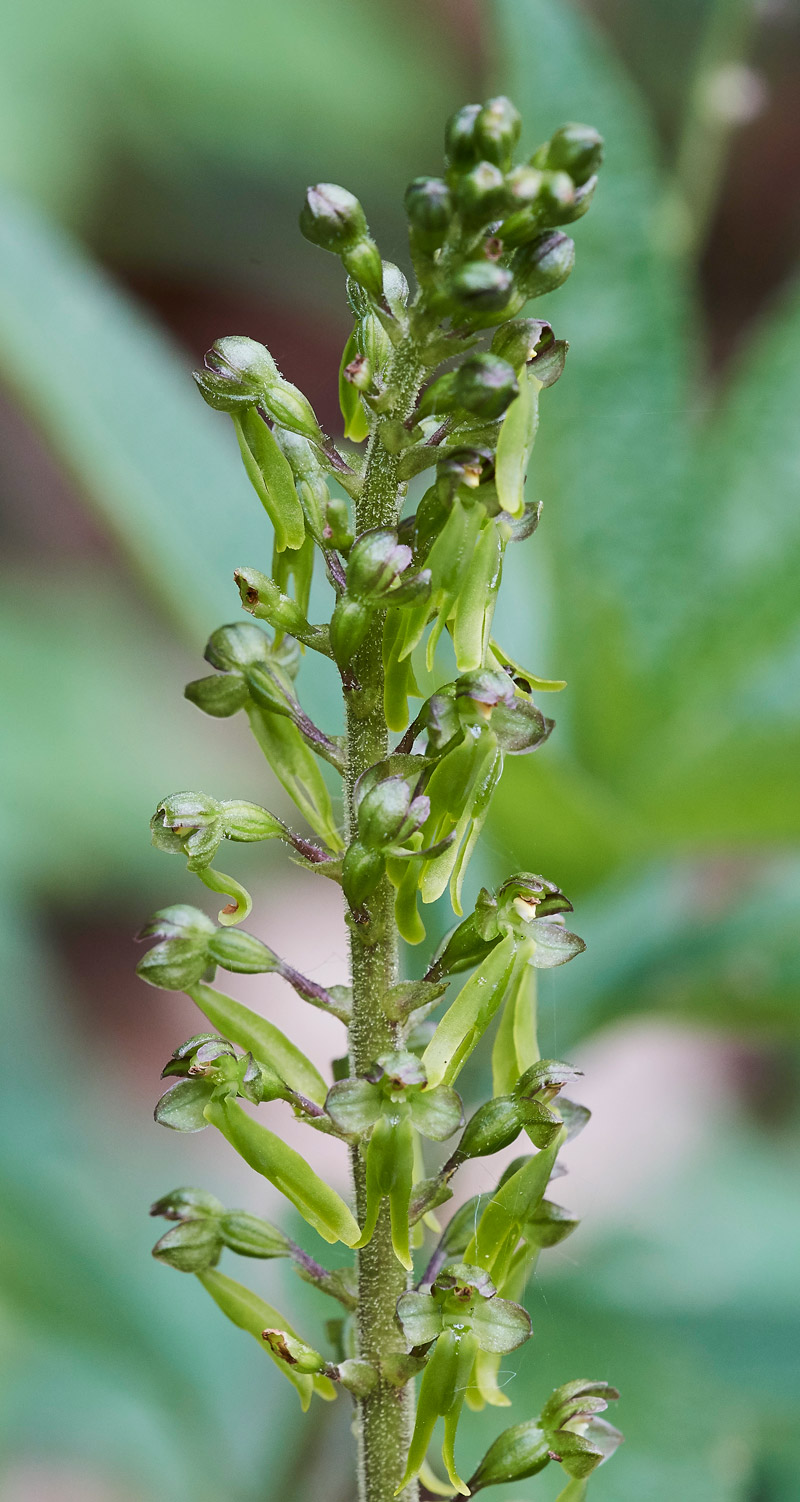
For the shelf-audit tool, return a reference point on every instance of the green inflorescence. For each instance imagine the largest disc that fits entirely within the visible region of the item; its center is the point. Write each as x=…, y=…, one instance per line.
x=442, y=385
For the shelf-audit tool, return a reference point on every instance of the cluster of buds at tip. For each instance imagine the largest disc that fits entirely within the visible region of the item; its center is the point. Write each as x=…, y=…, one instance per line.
x=485, y=237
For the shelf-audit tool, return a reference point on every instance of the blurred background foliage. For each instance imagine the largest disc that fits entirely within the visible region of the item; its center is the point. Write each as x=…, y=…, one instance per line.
x=152, y=159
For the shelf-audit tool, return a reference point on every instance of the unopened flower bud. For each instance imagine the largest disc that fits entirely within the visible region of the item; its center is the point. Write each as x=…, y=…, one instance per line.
x=544, y=263
x=481, y=195
x=350, y=623
x=556, y=197
x=460, y=144
x=481, y=286
x=524, y=184
x=237, y=373
x=493, y=1127
x=497, y=130
x=359, y=1377
x=289, y=408
x=241, y=373
x=554, y=204
x=192, y=1246
x=429, y=206
x=362, y=261
x=485, y=385
x=374, y=342
x=332, y=218
x=576, y=149
x=581, y=202
x=376, y=559
x=235, y=648
x=382, y=812
x=187, y=1204
x=388, y=813
x=338, y=531
x=249, y=1236
x=362, y=869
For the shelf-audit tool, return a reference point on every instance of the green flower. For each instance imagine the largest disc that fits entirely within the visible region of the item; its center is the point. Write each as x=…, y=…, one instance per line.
x=386, y=1106
x=462, y=1314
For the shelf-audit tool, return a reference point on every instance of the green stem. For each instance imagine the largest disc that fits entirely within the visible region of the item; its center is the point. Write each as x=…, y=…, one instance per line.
x=386, y=1416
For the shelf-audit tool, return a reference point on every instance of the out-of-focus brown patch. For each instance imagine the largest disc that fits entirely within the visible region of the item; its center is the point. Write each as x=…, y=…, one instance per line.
x=120, y=1020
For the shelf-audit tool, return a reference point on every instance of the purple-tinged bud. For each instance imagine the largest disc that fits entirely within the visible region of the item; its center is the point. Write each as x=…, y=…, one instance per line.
x=332, y=217
x=429, y=206
x=485, y=385
x=481, y=195
x=497, y=130
x=481, y=287
x=576, y=149
x=544, y=263
x=460, y=144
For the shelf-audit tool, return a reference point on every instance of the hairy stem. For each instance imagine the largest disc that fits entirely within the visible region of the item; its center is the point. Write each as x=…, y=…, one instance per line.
x=386, y=1416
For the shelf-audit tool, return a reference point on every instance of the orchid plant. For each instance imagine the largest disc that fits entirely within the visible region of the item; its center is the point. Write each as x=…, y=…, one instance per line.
x=445, y=384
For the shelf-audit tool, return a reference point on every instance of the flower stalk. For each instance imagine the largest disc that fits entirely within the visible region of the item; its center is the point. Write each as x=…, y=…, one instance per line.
x=443, y=387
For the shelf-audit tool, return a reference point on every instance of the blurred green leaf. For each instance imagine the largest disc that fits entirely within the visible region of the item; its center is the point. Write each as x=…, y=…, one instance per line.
x=76, y=1283
x=200, y=78
x=97, y=734
x=711, y=943
x=739, y=647
x=119, y=410
x=664, y=575
x=598, y=562
x=609, y=524
x=179, y=136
